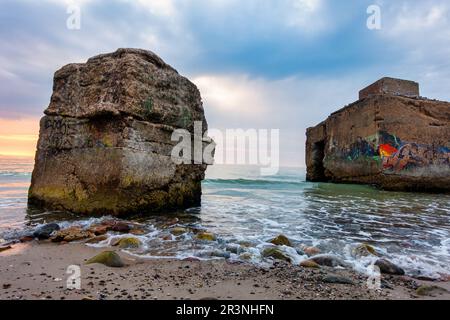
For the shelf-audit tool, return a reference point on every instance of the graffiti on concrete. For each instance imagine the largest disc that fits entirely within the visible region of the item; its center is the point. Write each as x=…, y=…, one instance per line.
x=395, y=155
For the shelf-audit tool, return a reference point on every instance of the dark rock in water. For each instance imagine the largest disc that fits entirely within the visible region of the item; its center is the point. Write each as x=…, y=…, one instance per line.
x=281, y=240
x=275, y=253
x=337, y=279
x=121, y=227
x=388, y=267
x=328, y=261
x=105, y=142
x=46, y=231
x=107, y=258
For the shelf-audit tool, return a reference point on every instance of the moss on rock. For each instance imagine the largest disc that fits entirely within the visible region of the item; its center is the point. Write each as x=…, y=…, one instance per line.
x=275, y=253
x=178, y=231
x=309, y=264
x=107, y=258
x=206, y=236
x=281, y=240
x=127, y=243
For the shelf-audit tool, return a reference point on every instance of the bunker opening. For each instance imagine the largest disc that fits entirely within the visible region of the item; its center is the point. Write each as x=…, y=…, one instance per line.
x=318, y=155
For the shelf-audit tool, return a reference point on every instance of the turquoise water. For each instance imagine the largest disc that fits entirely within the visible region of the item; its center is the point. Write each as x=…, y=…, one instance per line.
x=412, y=230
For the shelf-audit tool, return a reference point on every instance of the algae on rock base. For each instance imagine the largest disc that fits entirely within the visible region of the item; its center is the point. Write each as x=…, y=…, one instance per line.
x=281, y=240
x=206, y=236
x=275, y=253
x=107, y=258
x=128, y=243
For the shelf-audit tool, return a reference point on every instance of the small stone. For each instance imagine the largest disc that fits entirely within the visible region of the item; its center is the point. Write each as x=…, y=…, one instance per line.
x=275, y=253
x=178, y=231
x=121, y=227
x=191, y=259
x=72, y=234
x=309, y=264
x=329, y=261
x=364, y=250
x=388, y=267
x=138, y=232
x=281, y=240
x=221, y=254
x=337, y=279
x=45, y=231
x=125, y=243
x=99, y=229
x=246, y=244
x=246, y=256
x=107, y=258
x=206, y=236
x=26, y=239
x=311, y=251
x=233, y=248
x=430, y=290
x=108, y=223
x=4, y=248
x=171, y=222
x=97, y=239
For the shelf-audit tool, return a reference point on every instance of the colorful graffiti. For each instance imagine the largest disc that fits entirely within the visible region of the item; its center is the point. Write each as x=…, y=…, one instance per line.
x=396, y=155
x=412, y=155
x=386, y=150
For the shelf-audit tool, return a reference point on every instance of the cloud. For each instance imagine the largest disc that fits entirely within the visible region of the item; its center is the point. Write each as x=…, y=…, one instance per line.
x=234, y=94
x=421, y=32
x=165, y=8
x=259, y=63
x=239, y=101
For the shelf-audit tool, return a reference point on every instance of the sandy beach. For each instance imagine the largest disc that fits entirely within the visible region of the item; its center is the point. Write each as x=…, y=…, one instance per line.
x=37, y=270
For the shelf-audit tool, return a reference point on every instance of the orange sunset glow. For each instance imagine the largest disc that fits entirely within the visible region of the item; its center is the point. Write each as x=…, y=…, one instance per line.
x=18, y=137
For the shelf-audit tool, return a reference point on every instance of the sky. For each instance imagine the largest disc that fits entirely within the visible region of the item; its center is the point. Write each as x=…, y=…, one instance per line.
x=259, y=64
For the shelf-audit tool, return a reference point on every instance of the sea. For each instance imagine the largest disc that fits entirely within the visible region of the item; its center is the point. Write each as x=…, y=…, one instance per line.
x=245, y=210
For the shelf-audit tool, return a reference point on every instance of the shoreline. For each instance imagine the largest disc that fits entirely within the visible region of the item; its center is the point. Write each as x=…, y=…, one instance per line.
x=38, y=270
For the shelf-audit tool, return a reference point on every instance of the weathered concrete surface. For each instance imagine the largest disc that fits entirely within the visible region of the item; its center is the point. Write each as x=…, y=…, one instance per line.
x=394, y=142
x=391, y=86
x=105, y=142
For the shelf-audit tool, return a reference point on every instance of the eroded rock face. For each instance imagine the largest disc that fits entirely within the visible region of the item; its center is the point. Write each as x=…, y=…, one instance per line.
x=392, y=141
x=105, y=140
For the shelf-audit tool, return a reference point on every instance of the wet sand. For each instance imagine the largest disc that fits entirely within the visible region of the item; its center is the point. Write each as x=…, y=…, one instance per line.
x=38, y=271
